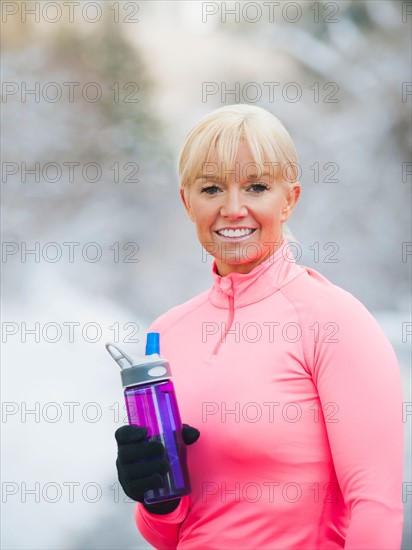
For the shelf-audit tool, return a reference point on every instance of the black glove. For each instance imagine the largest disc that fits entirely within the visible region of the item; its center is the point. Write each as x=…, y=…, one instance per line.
x=138, y=477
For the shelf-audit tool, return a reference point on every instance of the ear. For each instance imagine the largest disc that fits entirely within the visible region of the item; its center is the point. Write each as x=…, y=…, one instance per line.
x=184, y=195
x=291, y=200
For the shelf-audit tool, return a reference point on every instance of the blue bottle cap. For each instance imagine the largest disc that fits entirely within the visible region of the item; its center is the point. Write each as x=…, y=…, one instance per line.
x=152, y=343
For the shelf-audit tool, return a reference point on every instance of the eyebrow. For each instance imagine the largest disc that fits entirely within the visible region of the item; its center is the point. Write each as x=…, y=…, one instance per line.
x=211, y=177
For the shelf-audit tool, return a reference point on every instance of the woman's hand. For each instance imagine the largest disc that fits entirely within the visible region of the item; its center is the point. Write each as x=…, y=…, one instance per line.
x=138, y=477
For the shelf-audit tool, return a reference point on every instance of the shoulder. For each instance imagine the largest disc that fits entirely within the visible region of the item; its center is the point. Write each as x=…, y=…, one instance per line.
x=333, y=315
x=176, y=314
x=320, y=304
x=338, y=330
x=312, y=293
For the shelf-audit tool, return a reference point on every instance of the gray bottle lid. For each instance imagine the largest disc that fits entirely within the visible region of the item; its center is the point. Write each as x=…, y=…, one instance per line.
x=141, y=370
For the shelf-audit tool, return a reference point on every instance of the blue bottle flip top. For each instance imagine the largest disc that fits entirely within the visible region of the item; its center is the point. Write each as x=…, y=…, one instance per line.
x=152, y=343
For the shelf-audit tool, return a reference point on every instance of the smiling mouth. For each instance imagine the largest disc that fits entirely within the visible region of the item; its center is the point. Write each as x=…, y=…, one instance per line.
x=235, y=233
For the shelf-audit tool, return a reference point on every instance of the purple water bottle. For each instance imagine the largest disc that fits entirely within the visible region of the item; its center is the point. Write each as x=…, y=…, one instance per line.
x=151, y=403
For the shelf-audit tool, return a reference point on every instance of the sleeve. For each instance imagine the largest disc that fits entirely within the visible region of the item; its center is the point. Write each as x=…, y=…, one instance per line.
x=161, y=531
x=356, y=370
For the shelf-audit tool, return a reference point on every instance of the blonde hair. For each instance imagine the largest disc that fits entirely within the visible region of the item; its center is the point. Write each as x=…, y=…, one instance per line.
x=217, y=136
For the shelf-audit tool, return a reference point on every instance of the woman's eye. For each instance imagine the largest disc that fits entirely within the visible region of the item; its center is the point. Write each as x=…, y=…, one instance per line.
x=259, y=187
x=255, y=187
x=209, y=190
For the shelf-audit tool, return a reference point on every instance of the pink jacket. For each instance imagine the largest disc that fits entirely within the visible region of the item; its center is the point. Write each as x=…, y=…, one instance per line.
x=297, y=395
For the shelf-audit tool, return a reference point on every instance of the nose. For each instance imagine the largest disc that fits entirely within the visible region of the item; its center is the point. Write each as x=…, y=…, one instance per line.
x=233, y=206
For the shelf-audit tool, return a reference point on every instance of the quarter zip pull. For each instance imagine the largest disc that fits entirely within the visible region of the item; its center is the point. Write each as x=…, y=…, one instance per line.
x=228, y=325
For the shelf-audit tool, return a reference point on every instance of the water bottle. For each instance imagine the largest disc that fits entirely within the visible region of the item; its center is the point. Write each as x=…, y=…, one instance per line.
x=151, y=403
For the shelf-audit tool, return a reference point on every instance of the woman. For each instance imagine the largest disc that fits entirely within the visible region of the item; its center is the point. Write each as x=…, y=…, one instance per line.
x=293, y=385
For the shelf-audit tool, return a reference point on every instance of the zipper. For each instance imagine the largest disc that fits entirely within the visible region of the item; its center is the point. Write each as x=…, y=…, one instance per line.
x=228, y=325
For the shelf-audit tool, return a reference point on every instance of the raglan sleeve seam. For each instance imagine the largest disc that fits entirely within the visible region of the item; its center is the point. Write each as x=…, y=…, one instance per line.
x=304, y=330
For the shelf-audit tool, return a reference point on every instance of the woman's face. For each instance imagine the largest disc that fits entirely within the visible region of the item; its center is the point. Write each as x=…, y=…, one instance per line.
x=249, y=201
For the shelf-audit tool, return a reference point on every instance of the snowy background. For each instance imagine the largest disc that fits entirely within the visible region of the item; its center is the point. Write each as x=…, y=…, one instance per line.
x=101, y=173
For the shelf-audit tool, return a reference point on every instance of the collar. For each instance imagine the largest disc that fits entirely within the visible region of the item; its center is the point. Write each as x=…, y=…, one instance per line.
x=277, y=270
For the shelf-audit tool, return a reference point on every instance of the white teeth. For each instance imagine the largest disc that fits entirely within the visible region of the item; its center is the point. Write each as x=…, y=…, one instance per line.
x=235, y=233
